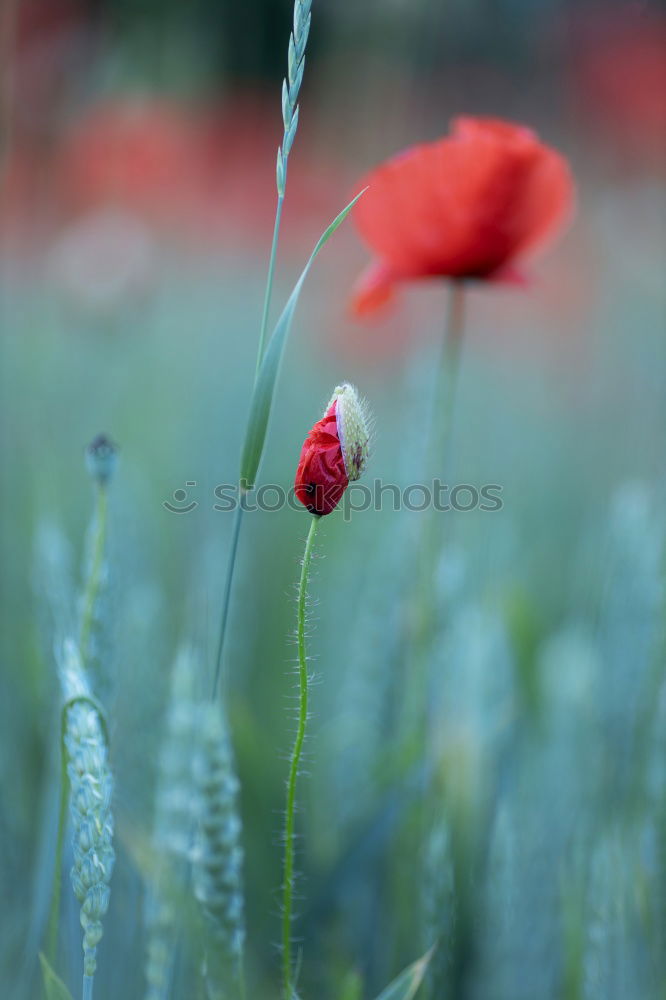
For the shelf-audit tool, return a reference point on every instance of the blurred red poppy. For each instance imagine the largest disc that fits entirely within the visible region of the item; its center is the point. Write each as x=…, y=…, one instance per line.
x=467, y=206
x=618, y=60
x=321, y=477
x=201, y=172
x=133, y=153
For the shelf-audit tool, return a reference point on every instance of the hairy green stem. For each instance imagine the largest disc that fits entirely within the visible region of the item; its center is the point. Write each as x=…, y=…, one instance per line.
x=288, y=884
x=87, y=993
x=269, y=283
x=226, y=599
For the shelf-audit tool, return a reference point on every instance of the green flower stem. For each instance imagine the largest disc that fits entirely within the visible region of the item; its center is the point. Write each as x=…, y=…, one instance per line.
x=269, y=283
x=442, y=417
x=438, y=455
x=226, y=599
x=87, y=993
x=288, y=885
x=424, y=607
x=93, y=583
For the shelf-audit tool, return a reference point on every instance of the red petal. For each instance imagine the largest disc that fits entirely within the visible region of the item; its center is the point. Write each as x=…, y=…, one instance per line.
x=464, y=206
x=374, y=291
x=548, y=202
x=510, y=275
x=321, y=478
x=470, y=127
x=395, y=215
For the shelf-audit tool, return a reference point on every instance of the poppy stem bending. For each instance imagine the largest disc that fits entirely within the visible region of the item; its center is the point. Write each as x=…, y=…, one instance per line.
x=226, y=599
x=288, y=881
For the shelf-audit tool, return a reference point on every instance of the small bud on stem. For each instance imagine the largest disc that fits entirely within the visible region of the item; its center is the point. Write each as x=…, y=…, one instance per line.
x=101, y=458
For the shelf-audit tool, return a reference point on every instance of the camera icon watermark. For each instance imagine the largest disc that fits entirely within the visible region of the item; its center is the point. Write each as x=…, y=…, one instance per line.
x=180, y=503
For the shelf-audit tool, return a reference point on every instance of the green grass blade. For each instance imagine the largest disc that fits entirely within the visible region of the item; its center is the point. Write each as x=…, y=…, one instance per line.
x=54, y=988
x=264, y=390
x=408, y=982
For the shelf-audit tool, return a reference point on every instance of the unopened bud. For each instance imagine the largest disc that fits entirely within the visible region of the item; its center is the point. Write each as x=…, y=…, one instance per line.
x=334, y=453
x=101, y=458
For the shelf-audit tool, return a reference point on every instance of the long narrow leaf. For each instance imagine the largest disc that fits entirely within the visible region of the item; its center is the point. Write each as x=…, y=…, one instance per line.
x=264, y=390
x=408, y=982
x=54, y=988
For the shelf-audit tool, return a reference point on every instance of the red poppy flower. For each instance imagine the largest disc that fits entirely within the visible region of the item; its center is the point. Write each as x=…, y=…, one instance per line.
x=466, y=206
x=134, y=153
x=619, y=66
x=321, y=477
x=334, y=452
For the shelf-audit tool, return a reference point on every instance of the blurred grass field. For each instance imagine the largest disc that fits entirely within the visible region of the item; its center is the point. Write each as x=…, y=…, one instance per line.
x=545, y=810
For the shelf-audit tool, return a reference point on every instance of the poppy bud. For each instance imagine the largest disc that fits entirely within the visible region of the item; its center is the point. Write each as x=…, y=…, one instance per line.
x=101, y=457
x=334, y=453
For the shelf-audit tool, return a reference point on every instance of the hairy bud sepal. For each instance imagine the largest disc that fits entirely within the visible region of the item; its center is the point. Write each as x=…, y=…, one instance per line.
x=353, y=429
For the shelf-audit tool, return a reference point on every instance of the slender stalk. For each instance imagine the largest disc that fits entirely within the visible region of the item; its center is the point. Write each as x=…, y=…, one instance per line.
x=442, y=417
x=226, y=599
x=288, y=886
x=94, y=579
x=291, y=87
x=87, y=992
x=269, y=282
x=424, y=607
x=438, y=453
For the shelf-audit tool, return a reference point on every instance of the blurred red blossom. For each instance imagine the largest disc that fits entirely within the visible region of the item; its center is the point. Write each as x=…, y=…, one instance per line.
x=200, y=172
x=619, y=77
x=135, y=153
x=469, y=205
